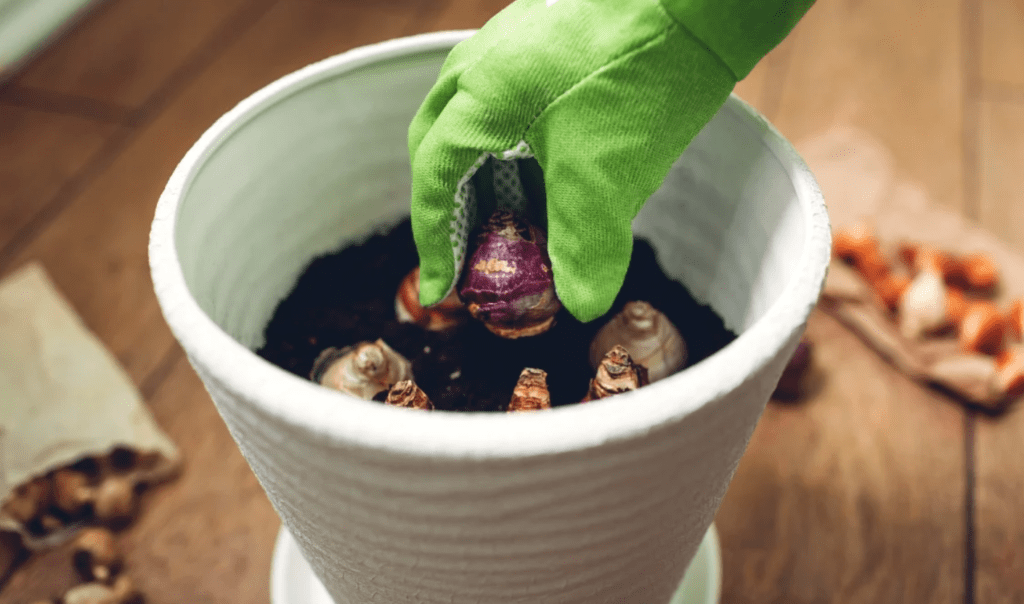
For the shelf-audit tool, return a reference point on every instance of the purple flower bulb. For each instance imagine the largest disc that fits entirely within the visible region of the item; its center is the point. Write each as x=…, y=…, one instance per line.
x=508, y=283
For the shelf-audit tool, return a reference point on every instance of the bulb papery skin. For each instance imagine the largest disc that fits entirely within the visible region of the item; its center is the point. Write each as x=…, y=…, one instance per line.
x=531, y=392
x=407, y=394
x=616, y=374
x=649, y=337
x=362, y=370
x=446, y=315
x=508, y=284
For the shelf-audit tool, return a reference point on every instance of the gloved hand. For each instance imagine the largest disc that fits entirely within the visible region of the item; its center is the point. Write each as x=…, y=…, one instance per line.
x=605, y=94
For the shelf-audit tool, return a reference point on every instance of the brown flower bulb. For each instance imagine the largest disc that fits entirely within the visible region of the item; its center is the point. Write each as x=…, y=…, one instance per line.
x=446, y=314
x=121, y=592
x=71, y=491
x=94, y=554
x=1014, y=320
x=362, y=370
x=972, y=271
x=407, y=394
x=114, y=500
x=28, y=500
x=616, y=374
x=927, y=258
x=981, y=329
x=531, y=391
x=1010, y=364
x=872, y=265
x=889, y=289
x=647, y=335
x=851, y=243
x=979, y=271
x=923, y=306
x=508, y=283
x=957, y=305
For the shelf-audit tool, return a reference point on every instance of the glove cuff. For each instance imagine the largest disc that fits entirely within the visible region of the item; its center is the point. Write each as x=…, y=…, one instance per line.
x=739, y=32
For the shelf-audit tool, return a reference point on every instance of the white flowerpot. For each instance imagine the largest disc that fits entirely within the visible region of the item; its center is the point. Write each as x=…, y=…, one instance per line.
x=601, y=502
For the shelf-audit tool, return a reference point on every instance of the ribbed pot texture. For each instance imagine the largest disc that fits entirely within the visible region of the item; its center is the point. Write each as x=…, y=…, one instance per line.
x=602, y=502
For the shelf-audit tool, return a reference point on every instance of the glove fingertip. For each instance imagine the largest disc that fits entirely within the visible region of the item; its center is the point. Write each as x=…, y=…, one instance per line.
x=584, y=301
x=436, y=280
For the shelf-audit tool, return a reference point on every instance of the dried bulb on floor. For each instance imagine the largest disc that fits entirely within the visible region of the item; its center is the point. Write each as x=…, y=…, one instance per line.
x=28, y=501
x=50, y=523
x=120, y=592
x=927, y=258
x=1014, y=320
x=1010, y=366
x=979, y=271
x=446, y=314
x=362, y=370
x=114, y=500
x=95, y=555
x=889, y=289
x=508, y=284
x=872, y=265
x=647, y=335
x=407, y=394
x=531, y=391
x=858, y=246
x=71, y=491
x=852, y=242
x=957, y=305
x=981, y=328
x=616, y=374
x=976, y=271
x=922, y=308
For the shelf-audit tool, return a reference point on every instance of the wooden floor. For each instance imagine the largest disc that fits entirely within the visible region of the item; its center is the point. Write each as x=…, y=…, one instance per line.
x=887, y=493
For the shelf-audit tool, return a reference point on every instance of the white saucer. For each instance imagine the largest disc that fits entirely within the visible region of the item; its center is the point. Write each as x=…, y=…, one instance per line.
x=293, y=582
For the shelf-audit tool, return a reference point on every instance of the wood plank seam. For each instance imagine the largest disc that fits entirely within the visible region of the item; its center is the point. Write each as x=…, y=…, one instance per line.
x=71, y=188
x=153, y=380
x=217, y=43
x=970, y=543
x=67, y=104
x=970, y=36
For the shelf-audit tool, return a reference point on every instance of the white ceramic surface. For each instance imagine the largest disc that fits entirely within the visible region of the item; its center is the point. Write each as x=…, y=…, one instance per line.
x=292, y=581
x=603, y=502
x=26, y=26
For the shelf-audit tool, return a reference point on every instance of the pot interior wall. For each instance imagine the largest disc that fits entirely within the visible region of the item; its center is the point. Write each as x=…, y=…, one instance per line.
x=326, y=162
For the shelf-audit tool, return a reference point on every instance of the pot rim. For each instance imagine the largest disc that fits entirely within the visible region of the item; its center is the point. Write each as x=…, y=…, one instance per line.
x=348, y=421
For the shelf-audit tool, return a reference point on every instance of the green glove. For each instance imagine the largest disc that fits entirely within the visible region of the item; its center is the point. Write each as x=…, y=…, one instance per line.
x=605, y=95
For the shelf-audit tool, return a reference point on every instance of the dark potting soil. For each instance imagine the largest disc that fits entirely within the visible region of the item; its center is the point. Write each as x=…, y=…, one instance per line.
x=349, y=296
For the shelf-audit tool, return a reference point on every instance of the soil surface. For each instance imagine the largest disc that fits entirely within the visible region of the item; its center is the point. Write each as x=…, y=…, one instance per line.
x=349, y=296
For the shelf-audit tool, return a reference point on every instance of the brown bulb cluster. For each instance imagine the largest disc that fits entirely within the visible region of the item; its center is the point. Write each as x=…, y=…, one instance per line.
x=85, y=502
x=931, y=293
